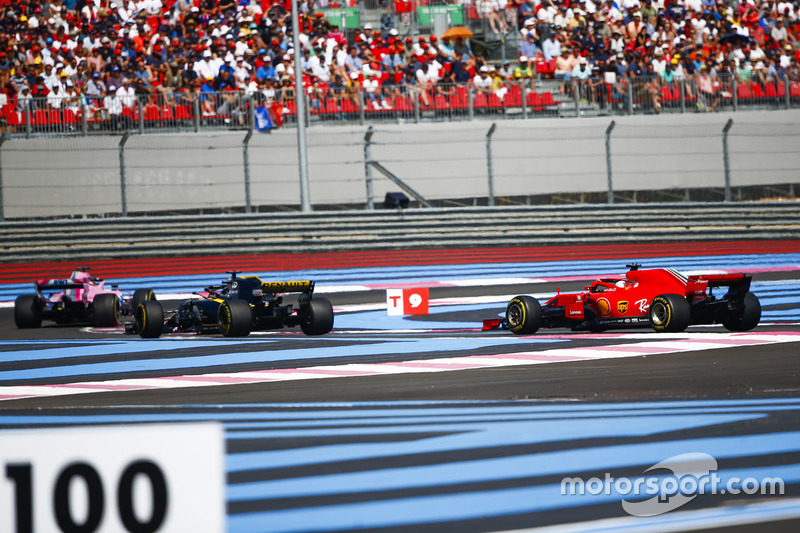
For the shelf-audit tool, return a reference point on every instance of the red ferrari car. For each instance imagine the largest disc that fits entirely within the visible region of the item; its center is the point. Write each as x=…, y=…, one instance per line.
x=662, y=298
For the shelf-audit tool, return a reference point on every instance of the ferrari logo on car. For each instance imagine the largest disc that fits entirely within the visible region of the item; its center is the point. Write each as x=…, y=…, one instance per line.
x=622, y=307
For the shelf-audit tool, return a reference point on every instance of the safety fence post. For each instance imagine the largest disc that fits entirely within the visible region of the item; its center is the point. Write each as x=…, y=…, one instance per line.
x=630, y=98
x=141, y=115
x=2, y=212
x=84, y=118
x=726, y=160
x=196, y=111
x=302, y=141
x=683, y=95
x=786, y=95
x=576, y=97
x=368, y=167
x=609, y=129
x=28, y=121
x=489, y=162
x=471, y=101
x=122, y=177
x=246, y=155
x=524, y=99
x=361, y=111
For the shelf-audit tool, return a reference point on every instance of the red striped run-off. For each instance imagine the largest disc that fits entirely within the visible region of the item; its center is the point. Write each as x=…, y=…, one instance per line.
x=203, y=264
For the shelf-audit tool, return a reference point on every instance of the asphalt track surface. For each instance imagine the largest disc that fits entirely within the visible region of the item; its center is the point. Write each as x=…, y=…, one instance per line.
x=427, y=423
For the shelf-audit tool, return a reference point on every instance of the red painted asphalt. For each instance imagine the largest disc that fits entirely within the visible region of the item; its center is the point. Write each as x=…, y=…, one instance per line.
x=122, y=268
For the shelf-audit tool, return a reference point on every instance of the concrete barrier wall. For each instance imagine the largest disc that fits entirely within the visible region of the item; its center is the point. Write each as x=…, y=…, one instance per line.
x=73, y=176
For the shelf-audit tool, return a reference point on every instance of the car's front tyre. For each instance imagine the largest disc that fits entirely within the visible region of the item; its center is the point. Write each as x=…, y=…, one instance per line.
x=524, y=315
x=140, y=296
x=235, y=318
x=148, y=319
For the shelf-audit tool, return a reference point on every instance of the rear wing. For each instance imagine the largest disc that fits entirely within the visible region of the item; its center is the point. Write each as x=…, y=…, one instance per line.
x=738, y=284
x=57, y=284
x=288, y=286
x=722, y=280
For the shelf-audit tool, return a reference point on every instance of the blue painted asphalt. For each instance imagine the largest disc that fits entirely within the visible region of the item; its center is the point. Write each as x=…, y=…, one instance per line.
x=590, y=439
x=367, y=348
x=406, y=512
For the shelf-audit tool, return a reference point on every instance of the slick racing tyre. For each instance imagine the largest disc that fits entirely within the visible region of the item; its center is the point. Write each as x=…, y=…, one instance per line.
x=149, y=319
x=319, y=318
x=746, y=316
x=670, y=313
x=524, y=315
x=105, y=310
x=235, y=318
x=140, y=296
x=28, y=311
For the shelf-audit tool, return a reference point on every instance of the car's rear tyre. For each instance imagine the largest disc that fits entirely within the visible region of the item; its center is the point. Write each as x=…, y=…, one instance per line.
x=746, y=316
x=319, y=318
x=148, y=319
x=140, y=296
x=105, y=310
x=235, y=318
x=670, y=313
x=524, y=315
x=28, y=311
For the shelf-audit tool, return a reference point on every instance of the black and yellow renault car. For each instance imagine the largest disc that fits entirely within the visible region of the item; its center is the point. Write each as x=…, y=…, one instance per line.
x=236, y=307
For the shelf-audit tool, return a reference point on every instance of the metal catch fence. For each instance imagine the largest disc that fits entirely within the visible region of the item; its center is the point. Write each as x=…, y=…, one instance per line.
x=394, y=102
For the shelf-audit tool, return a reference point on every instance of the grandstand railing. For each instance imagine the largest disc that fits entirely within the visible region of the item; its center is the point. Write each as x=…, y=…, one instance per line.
x=394, y=103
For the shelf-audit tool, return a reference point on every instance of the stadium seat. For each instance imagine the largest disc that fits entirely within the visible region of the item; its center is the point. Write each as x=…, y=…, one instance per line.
x=331, y=106
x=756, y=91
x=458, y=101
x=16, y=118
x=743, y=92
x=547, y=98
x=40, y=117
x=182, y=113
x=70, y=117
x=151, y=113
x=402, y=103
x=770, y=91
x=494, y=102
x=480, y=102
x=514, y=96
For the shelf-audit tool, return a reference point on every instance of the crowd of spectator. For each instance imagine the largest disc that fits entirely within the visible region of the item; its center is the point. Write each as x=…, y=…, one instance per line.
x=103, y=56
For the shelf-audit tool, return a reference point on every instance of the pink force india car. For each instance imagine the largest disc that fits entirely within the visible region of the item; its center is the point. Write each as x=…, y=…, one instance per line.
x=661, y=298
x=80, y=299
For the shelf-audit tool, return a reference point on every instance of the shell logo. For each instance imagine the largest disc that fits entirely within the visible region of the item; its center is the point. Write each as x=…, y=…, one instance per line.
x=603, y=306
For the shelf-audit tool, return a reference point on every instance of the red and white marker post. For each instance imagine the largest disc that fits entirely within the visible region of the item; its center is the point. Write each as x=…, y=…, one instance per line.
x=401, y=302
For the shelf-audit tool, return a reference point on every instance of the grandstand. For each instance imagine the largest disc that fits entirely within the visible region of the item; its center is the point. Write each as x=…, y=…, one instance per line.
x=109, y=66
